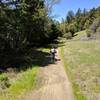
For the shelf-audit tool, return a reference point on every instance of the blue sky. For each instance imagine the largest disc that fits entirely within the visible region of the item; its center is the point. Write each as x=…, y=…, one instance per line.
x=60, y=10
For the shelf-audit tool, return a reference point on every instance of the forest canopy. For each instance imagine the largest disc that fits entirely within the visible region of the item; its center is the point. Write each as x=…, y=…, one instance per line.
x=24, y=24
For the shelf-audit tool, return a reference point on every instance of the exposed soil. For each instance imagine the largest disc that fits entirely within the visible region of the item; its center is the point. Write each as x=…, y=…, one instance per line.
x=54, y=83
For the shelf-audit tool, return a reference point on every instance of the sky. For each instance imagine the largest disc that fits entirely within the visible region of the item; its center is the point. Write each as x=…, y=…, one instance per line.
x=60, y=9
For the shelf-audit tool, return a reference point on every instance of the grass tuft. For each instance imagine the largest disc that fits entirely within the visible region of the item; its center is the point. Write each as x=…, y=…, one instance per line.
x=25, y=82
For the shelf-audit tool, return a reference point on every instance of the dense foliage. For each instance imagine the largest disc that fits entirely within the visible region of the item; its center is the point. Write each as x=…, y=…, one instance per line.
x=24, y=24
x=81, y=20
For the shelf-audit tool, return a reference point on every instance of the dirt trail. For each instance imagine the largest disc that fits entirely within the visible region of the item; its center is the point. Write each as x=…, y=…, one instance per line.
x=56, y=85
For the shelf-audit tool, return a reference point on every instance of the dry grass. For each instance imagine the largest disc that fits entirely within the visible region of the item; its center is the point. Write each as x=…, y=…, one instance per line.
x=82, y=61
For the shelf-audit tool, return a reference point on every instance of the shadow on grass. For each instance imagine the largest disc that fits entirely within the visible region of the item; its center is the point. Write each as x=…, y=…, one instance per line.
x=41, y=58
x=55, y=44
x=35, y=57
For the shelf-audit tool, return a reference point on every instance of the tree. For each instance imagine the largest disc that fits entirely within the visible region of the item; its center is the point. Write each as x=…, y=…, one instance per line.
x=95, y=25
x=78, y=13
x=81, y=20
x=84, y=12
x=69, y=17
x=49, y=5
x=27, y=26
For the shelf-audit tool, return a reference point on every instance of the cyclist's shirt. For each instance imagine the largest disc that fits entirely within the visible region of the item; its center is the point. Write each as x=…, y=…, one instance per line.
x=53, y=51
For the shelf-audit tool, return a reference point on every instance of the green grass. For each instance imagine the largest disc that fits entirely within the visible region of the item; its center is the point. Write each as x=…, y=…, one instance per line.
x=25, y=81
x=3, y=77
x=46, y=50
x=82, y=63
x=79, y=35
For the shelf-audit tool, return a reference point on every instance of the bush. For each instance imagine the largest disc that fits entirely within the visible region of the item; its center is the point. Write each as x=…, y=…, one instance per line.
x=98, y=30
x=95, y=25
x=88, y=33
x=3, y=77
x=4, y=81
x=68, y=35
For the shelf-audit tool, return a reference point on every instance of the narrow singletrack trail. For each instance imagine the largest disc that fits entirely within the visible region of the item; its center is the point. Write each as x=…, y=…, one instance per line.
x=55, y=84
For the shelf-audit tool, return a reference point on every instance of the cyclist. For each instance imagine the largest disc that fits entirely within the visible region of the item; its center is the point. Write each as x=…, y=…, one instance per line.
x=53, y=52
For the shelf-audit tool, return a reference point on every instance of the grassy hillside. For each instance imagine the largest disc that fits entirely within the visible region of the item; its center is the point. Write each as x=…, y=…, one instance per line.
x=80, y=35
x=82, y=63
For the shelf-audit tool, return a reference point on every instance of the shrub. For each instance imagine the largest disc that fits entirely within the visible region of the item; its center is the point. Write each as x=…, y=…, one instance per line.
x=95, y=25
x=68, y=35
x=4, y=81
x=88, y=33
x=98, y=30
